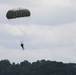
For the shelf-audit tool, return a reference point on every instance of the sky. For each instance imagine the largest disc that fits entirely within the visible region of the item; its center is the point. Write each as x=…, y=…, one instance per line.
x=49, y=33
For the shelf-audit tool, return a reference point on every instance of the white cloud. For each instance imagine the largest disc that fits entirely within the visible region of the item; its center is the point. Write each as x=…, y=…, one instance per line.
x=60, y=35
x=57, y=54
x=50, y=33
x=64, y=34
x=44, y=11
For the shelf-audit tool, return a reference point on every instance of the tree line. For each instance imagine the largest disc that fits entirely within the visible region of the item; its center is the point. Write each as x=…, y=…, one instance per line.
x=40, y=67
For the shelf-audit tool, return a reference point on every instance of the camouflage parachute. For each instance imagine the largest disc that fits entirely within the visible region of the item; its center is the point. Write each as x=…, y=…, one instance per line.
x=16, y=13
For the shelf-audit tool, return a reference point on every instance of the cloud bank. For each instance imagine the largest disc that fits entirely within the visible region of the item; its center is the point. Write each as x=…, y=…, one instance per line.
x=48, y=34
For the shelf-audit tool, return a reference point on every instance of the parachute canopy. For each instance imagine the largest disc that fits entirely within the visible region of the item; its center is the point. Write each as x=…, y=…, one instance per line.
x=16, y=13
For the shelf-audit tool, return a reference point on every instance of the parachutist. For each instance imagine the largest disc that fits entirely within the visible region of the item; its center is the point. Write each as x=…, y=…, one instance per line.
x=18, y=13
x=22, y=45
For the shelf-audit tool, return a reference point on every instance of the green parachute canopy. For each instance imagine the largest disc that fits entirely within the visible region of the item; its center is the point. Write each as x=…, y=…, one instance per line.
x=16, y=13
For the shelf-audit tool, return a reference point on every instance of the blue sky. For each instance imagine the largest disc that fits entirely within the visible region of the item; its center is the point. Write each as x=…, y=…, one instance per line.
x=49, y=33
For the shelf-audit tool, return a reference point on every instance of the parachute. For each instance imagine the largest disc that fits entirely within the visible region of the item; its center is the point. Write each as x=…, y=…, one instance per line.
x=17, y=13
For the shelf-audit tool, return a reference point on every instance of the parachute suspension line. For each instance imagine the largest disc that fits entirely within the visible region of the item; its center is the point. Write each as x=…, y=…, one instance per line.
x=28, y=21
x=23, y=30
x=16, y=33
x=22, y=36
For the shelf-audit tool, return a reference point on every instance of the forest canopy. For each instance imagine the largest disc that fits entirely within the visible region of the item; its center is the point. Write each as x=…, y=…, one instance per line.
x=40, y=67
